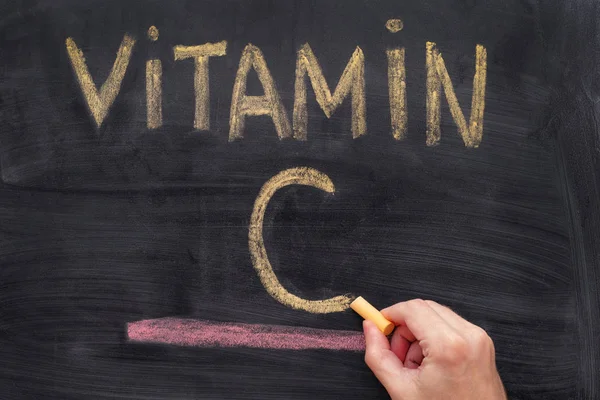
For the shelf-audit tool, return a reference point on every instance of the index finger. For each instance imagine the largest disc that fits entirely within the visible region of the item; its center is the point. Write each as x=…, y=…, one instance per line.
x=422, y=320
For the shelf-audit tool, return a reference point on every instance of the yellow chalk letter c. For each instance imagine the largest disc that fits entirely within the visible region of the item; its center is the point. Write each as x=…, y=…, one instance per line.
x=293, y=176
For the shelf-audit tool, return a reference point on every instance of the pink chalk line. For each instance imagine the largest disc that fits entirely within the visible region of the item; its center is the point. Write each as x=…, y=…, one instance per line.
x=198, y=333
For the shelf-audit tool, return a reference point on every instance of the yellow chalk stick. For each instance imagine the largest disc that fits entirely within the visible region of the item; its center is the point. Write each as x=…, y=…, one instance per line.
x=367, y=311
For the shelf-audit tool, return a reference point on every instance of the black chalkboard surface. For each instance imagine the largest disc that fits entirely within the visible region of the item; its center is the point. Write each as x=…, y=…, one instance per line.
x=232, y=165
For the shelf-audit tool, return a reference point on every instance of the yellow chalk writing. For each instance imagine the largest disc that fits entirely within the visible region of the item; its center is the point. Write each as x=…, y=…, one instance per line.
x=99, y=101
x=352, y=81
x=397, y=92
x=153, y=33
x=394, y=25
x=153, y=94
x=437, y=77
x=294, y=176
x=243, y=105
x=201, y=54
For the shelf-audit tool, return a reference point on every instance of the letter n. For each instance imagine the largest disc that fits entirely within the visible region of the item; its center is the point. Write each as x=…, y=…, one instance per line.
x=437, y=76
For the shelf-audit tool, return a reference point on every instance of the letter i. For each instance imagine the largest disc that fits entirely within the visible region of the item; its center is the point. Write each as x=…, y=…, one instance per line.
x=397, y=84
x=153, y=87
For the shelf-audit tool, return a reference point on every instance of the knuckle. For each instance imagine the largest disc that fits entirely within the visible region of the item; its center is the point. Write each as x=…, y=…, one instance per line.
x=481, y=340
x=370, y=358
x=456, y=349
x=431, y=302
x=417, y=303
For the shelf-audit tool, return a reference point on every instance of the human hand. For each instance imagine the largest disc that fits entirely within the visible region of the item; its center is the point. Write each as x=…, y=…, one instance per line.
x=433, y=354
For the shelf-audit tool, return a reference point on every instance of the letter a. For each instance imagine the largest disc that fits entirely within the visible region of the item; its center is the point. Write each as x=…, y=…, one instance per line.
x=243, y=105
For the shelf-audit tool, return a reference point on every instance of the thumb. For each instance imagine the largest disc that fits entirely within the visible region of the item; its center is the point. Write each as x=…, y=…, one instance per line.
x=386, y=366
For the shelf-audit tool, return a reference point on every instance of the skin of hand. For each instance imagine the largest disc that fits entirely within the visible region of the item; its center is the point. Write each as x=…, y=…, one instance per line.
x=433, y=354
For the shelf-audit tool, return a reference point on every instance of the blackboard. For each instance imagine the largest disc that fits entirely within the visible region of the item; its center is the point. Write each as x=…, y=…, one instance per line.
x=132, y=154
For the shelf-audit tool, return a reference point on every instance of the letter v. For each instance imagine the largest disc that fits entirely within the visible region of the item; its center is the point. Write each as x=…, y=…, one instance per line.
x=100, y=101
